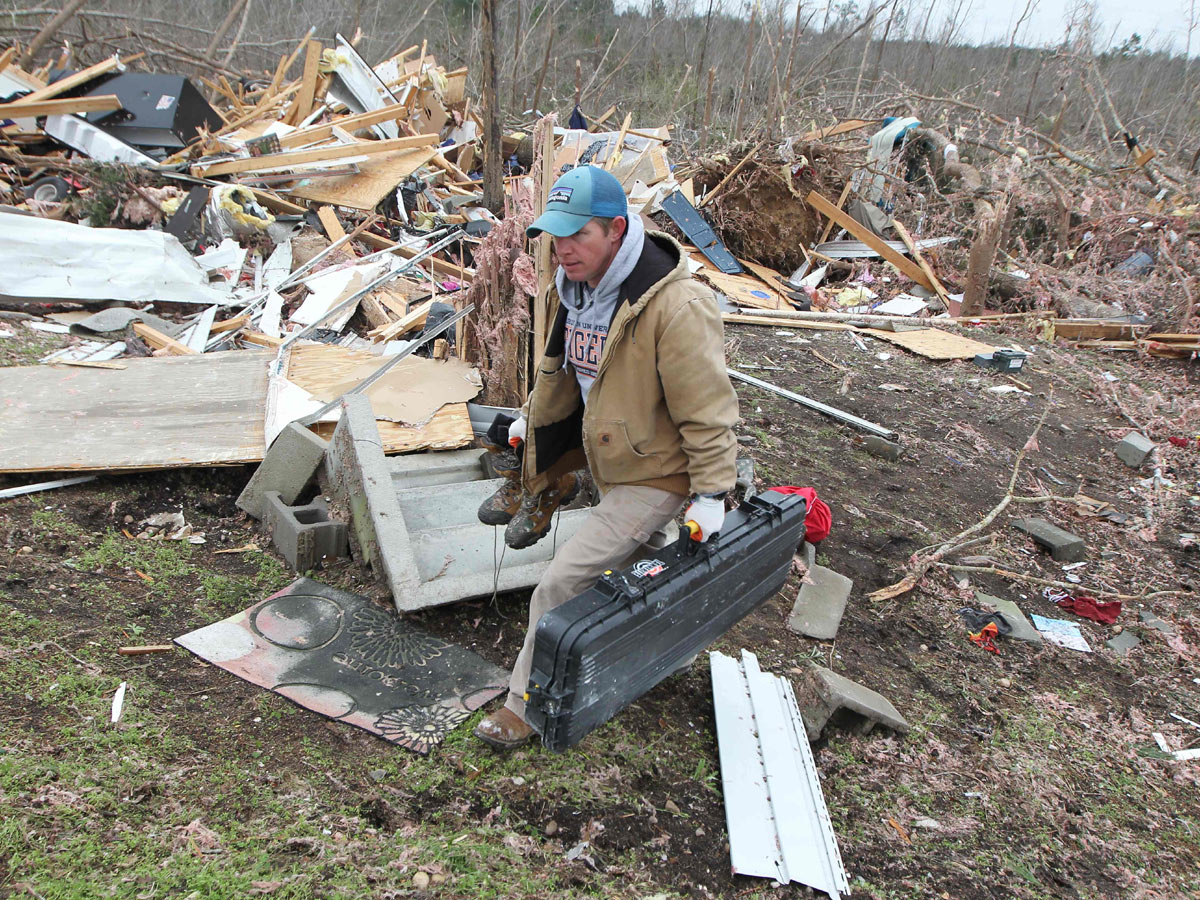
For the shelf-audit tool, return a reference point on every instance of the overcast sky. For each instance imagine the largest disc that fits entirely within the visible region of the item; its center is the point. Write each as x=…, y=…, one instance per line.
x=1157, y=21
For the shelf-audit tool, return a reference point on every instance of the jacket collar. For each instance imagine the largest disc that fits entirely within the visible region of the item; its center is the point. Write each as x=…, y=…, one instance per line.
x=662, y=261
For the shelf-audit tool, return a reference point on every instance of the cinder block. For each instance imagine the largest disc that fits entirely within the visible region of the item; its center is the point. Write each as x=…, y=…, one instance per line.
x=1063, y=546
x=825, y=696
x=821, y=604
x=289, y=465
x=882, y=448
x=303, y=535
x=1134, y=449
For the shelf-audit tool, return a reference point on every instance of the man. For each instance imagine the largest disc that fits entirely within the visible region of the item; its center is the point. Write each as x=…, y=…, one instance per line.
x=633, y=385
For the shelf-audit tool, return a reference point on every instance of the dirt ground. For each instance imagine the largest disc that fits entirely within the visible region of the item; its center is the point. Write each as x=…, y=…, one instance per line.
x=1029, y=774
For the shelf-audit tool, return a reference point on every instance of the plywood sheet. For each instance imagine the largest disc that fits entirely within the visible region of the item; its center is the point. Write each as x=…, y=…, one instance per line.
x=743, y=290
x=449, y=429
x=375, y=179
x=319, y=367
x=155, y=413
x=932, y=343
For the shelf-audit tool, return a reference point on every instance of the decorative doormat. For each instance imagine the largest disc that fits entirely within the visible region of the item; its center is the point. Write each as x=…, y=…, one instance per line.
x=342, y=656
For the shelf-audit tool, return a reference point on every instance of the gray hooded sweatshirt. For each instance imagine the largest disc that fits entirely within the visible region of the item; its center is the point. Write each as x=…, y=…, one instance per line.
x=590, y=310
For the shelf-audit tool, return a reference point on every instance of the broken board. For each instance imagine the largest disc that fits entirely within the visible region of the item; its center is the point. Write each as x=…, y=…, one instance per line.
x=932, y=343
x=341, y=655
x=745, y=291
x=155, y=413
x=317, y=367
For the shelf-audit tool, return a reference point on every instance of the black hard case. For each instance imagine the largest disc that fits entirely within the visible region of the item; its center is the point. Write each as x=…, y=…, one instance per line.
x=601, y=650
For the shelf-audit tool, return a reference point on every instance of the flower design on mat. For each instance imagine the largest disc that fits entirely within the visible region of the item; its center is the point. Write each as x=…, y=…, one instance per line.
x=386, y=642
x=420, y=727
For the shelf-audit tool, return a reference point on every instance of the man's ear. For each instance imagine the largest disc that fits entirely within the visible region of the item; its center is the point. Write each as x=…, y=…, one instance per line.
x=620, y=225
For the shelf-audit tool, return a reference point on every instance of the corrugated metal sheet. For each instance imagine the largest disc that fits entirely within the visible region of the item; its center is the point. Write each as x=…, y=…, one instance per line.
x=778, y=824
x=859, y=250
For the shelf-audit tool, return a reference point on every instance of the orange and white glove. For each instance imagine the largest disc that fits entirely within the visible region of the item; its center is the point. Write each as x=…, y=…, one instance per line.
x=516, y=431
x=708, y=514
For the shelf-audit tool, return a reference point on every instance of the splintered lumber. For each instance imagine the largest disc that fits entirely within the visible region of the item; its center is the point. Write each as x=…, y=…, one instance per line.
x=778, y=322
x=439, y=266
x=333, y=228
x=24, y=109
x=302, y=104
x=352, y=123
x=229, y=324
x=906, y=238
x=412, y=320
x=260, y=339
x=7, y=57
x=849, y=125
x=157, y=413
x=160, y=341
x=906, y=266
x=317, y=154
x=73, y=81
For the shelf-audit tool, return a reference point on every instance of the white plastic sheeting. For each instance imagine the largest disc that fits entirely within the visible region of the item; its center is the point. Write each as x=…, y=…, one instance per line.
x=44, y=258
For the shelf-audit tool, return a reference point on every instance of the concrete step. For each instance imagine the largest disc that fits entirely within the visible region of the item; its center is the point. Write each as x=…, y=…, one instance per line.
x=445, y=505
x=471, y=549
x=412, y=470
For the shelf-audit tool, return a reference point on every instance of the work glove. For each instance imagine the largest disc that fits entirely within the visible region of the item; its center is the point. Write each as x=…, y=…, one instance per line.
x=516, y=431
x=707, y=514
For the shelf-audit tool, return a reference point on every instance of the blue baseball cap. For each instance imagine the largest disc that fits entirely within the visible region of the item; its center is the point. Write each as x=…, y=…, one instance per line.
x=578, y=196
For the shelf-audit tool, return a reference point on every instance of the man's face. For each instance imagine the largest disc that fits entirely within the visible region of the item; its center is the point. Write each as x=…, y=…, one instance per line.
x=587, y=254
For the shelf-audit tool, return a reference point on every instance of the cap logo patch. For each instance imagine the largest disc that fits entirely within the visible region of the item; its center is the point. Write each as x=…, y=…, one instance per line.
x=560, y=195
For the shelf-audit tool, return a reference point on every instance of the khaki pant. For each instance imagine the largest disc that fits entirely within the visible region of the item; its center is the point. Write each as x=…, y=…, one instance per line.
x=626, y=520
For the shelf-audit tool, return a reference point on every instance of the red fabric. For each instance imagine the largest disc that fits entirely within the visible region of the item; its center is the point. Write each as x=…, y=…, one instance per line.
x=1091, y=608
x=986, y=638
x=819, y=518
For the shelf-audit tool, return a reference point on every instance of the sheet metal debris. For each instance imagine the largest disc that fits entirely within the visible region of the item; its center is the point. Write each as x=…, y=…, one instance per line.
x=779, y=826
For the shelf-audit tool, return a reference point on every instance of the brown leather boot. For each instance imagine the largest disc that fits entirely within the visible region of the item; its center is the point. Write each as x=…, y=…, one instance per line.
x=500, y=508
x=533, y=520
x=504, y=730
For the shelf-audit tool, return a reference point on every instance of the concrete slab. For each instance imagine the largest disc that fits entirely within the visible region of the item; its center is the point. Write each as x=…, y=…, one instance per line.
x=820, y=605
x=1063, y=546
x=1123, y=642
x=824, y=697
x=1134, y=449
x=1022, y=628
x=435, y=467
x=289, y=465
x=1150, y=620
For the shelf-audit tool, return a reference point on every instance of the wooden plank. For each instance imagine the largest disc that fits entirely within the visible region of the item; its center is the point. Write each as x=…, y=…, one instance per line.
x=260, y=340
x=316, y=154
x=829, y=225
x=160, y=341
x=333, y=228
x=73, y=81
x=438, y=266
x=376, y=178
x=849, y=125
x=24, y=109
x=7, y=57
x=302, y=105
x=411, y=320
x=346, y=123
x=156, y=413
x=906, y=266
x=780, y=322
x=229, y=324
x=932, y=343
x=908, y=242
